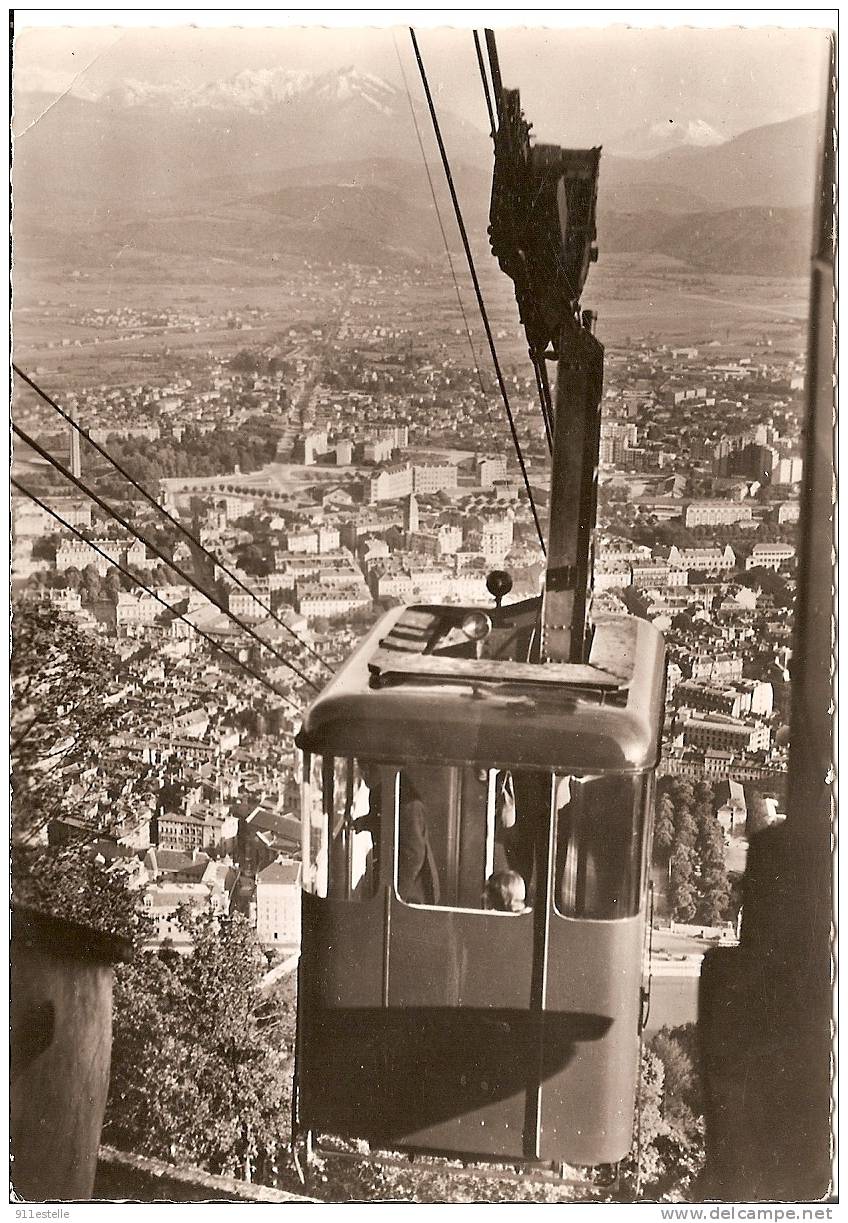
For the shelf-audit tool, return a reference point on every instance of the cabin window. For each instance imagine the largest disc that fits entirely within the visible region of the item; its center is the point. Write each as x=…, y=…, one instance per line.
x=340, y=852
x=452, y=839
x=601, y=845
x=447, y=840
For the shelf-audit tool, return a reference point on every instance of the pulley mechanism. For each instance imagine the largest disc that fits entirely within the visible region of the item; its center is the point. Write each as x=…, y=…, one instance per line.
x=542, y=222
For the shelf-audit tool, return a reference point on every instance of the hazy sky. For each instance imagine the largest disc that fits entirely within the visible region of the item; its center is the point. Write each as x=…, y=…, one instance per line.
x=578, y=85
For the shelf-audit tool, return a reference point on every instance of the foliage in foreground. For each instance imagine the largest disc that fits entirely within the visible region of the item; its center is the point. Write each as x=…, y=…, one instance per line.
x=671, y=1143
x=201, y=1059
x=65, y=709
x=63, y=713
x=69, y=884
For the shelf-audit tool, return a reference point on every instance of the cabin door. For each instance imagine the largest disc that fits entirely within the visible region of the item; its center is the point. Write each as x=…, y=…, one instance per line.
x=590, y=958
x=459, y=976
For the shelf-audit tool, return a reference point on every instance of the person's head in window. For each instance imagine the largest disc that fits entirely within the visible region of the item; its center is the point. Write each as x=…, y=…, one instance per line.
x=370, y=773
x=506, y=892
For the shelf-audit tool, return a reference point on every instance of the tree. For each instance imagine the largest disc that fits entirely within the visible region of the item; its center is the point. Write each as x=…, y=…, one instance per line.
x=683, y=622
x=715, y=896
x=362, y=617
x=44, y=548
x=59, y=715
x=651, y=1123
x=63, y=716
x=71, y=884
x=689, y=838
x=677, y=1049
x=635, y=602
x=705, y=821
x=682, y=792
x=670, y=1147
x=255, y=559
x=201, y=1063
x=112, y=584
x=714, y=882
x=664, y=827
x=684, y=897
x=704, y=792
x=761, y=578
x=686, y=829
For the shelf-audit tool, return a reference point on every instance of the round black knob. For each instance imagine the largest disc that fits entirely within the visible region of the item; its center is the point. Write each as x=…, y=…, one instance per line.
x=499, y=584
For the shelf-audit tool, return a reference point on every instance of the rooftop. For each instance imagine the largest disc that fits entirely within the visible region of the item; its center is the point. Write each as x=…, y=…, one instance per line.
x=280, y=872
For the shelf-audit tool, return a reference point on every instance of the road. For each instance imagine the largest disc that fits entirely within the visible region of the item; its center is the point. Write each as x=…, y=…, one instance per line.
x=676, y=970
x=793, y=314
x=674, y=1001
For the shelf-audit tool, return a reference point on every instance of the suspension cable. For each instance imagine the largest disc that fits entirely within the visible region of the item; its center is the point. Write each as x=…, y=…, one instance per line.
x=481, y=304
x=148, y=590
x=193, y=540
x=439, y=218
x=484, y=78
x=543, y=389
x=495, y=69
x=155, y=549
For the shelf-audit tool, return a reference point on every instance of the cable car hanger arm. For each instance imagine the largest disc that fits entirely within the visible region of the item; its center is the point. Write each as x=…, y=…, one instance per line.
x=542, y=232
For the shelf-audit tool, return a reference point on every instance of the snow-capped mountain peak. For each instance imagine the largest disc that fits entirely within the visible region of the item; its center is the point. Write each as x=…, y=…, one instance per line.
x=253, y=89
x=132, y=92
x=261, y=89
x=699, y=132
x=665, y=134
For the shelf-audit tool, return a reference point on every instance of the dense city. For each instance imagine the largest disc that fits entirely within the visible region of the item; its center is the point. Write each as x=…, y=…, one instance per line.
x=338, y=472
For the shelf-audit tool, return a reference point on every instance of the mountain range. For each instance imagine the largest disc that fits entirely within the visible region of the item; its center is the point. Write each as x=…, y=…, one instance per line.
x=328, y=166
x=258, y=91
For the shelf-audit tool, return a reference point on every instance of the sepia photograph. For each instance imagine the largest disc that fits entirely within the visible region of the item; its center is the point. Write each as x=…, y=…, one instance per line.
x=422, y=614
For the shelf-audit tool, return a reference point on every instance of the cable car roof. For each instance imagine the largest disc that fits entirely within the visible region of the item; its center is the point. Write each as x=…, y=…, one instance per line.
x=407, y=695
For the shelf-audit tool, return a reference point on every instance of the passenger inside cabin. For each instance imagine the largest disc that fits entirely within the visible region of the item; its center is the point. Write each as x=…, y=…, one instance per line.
x=505, y=893
x=523, y=809
x=417, y=877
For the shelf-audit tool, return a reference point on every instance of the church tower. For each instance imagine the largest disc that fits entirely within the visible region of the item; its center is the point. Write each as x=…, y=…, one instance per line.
x=410, y=516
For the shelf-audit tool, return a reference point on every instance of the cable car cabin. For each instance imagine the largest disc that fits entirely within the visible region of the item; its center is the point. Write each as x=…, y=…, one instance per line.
x=476, y=840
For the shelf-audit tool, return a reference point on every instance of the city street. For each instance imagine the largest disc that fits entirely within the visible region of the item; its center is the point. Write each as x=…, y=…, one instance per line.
x=674, y=1001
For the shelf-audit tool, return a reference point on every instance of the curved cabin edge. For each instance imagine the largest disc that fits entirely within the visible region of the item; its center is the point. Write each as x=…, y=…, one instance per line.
x=558, y=718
